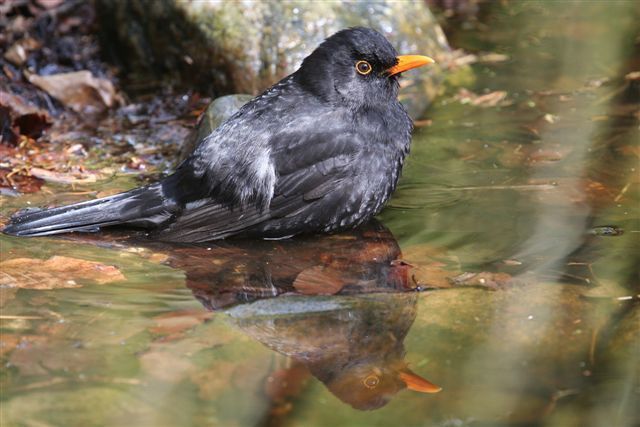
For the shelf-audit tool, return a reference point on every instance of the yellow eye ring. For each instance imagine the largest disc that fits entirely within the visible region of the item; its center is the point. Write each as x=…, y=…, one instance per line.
x=371, y=381
x=363, y=67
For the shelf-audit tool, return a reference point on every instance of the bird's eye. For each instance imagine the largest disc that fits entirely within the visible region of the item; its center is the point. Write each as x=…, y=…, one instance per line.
x=371, y=381
x=363, y=67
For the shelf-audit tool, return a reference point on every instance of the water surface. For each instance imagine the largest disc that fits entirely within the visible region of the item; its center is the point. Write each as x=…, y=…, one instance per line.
x=519, y=222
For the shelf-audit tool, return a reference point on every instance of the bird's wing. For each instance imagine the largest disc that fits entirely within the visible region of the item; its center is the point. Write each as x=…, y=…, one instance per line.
x=311, y=168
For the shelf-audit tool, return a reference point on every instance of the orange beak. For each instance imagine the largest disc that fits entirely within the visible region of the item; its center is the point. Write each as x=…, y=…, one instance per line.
x=407, y=62
x=417, y=383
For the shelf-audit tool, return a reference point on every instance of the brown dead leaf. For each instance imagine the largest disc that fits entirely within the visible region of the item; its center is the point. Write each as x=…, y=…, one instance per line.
x=431, y=275
x=545, y=155
x=158, y=258
x=633, y=76
x=18, y=181
x=461, y=58
x=422, y=123
x=431, y=266
x=79, y=90
x=55, y=273
x=177, y=322
x=491, y=99
x=319, y=280
x=77, y=177
x=18, y=117
x=18, y=52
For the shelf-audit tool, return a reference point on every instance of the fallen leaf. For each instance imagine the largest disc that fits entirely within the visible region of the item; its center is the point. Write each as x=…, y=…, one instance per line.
x=491, y=99
x=18, y=52
x=634, y=75
x=20, y=117
x=461, y=58
x=55, y=273
x=16, y=181
x=431, y=276
x=431, y=266
x=79, y=90
x=179, y=321
x=63, y=178
x=319, y=280
x=545, y=155
x=422, y=123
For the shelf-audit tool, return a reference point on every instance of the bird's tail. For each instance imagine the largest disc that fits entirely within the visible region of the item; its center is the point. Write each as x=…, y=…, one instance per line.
x=141, y=207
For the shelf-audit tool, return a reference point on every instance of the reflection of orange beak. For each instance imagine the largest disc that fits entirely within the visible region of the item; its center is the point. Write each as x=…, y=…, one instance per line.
x=417, y=383
x=407, y=62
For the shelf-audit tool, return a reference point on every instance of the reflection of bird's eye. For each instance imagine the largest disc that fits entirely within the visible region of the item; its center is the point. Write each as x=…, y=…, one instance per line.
x=363, y=67
x=371, y=381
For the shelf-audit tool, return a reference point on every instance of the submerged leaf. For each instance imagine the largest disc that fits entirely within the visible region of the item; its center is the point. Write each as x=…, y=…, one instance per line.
x=55, y=273
x=319, y=280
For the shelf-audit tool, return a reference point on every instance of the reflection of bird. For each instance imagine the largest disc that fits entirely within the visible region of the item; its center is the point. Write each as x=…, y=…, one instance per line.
x=351, y=341
x=318, y=152
x=358, y=261
x=364, y=363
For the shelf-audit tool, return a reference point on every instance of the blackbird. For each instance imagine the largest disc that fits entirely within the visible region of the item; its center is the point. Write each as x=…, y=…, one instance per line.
x=318, y=152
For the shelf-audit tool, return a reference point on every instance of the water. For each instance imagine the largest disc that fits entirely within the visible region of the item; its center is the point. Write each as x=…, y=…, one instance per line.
x=526, y=316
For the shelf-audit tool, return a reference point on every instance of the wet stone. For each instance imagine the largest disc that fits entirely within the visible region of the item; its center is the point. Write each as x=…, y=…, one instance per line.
x=217, y=112
x=245, y=47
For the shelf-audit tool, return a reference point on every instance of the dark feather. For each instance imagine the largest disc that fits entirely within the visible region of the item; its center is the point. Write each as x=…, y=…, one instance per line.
x=141, y=207
x=320, y=151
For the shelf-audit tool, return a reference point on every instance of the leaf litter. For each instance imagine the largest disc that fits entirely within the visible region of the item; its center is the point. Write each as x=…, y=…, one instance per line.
x=57, y=272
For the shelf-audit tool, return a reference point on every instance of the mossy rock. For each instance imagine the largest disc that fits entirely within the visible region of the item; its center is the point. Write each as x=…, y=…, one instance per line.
x=244, y=47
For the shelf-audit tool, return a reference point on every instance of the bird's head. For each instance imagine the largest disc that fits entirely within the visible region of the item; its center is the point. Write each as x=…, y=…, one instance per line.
x=358, y=66
x=371, y=384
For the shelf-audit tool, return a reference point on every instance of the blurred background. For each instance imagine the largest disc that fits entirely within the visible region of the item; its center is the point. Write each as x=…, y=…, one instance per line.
x=499, y=286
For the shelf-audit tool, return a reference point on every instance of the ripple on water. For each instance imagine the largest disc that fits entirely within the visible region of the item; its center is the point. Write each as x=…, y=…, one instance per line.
x=419, y=196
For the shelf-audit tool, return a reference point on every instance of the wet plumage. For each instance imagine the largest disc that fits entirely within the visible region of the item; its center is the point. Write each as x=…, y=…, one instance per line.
x=320, y=151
